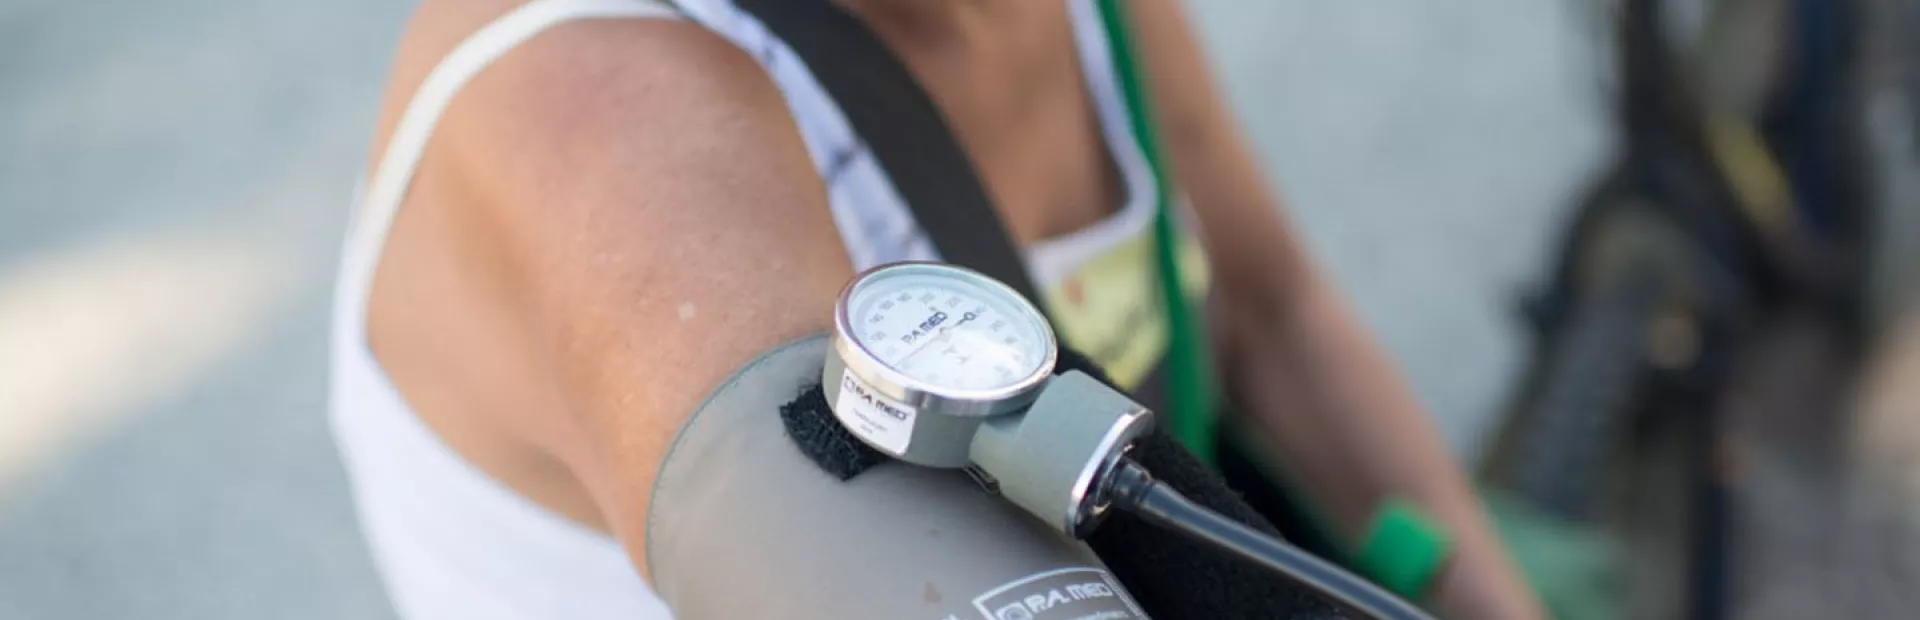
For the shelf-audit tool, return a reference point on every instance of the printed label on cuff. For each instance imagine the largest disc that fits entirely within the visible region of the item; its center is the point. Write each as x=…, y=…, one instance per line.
x=881, y=421
x=1065, y=594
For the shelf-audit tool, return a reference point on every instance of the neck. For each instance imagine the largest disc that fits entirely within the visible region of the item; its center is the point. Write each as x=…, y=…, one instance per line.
x=936, y=20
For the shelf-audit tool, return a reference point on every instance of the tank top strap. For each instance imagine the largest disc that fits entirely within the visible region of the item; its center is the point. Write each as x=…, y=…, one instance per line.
x=367, y=231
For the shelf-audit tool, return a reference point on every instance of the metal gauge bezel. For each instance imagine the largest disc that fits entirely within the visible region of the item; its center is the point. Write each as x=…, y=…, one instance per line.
x=944, y=400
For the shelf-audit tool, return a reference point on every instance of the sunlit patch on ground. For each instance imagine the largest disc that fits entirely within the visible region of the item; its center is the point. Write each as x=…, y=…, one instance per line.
x=89, y=333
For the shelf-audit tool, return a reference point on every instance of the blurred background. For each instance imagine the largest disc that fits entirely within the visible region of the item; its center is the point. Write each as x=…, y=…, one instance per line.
x=1644, y=260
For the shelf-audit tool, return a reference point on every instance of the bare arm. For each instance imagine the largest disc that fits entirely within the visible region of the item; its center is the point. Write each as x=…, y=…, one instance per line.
x=651, y=221
x=1346, y=426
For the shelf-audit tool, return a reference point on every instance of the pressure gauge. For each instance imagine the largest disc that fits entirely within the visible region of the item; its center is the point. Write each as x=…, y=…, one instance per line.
x=924, y=352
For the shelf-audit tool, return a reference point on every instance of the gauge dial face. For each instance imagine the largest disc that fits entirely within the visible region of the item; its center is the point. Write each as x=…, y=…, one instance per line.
x=942, y=327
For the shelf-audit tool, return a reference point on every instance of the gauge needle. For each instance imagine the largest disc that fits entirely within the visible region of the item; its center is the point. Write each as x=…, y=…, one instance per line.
x=940, y=337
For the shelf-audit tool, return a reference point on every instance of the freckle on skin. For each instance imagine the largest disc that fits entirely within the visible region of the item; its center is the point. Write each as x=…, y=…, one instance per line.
x=687, y=311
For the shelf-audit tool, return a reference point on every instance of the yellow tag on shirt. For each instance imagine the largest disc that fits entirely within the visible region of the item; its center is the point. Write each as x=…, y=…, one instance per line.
x=1110, y=307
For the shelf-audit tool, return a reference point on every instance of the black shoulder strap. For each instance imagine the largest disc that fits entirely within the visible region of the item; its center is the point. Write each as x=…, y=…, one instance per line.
x=907, y=134
x=1169, y=575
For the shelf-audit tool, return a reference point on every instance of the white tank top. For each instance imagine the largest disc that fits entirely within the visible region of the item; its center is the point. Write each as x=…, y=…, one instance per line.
x=451, y=542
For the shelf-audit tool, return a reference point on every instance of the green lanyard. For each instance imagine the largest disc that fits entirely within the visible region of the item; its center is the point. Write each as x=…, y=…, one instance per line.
x=1190, y=386
x=1403, y=548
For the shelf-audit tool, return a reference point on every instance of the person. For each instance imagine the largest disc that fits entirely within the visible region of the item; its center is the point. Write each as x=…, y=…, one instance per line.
x=629, y=199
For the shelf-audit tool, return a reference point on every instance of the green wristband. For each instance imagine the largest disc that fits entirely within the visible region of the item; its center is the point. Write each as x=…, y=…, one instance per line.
x=1403, y=549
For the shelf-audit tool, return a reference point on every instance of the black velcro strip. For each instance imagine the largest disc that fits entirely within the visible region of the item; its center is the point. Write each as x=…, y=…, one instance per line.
x=821, y=437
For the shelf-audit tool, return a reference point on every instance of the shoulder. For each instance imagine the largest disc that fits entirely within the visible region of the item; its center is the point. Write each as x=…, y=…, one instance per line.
x=584, y=54
x=603, y=157
x=586, y=86
x=615, y=93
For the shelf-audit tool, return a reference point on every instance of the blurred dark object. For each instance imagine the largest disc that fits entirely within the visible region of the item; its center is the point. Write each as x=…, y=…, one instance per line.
x=1713, y=290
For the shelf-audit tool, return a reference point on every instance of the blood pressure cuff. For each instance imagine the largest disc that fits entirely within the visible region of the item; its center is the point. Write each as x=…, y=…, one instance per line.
x=766, y=507
x=742, y=525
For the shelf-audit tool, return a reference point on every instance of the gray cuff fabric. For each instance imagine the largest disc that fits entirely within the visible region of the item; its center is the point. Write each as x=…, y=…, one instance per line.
x=743, y=526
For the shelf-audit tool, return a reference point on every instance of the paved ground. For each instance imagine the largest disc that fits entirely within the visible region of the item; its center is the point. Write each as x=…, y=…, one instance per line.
x=173, y=176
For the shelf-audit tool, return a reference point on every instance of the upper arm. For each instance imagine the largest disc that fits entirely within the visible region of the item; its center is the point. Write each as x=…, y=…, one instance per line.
x=654, y=222
x=1255, y=257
